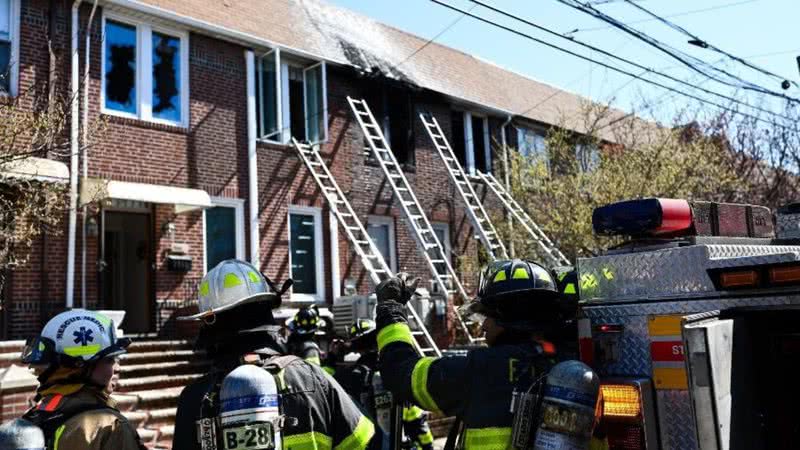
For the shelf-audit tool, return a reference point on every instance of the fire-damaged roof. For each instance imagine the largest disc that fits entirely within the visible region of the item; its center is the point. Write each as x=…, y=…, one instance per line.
x=342, y=36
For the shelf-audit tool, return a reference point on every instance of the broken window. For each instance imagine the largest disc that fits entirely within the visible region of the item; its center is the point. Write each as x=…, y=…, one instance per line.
x=120, y=72
x=291, y=100
x=400, y=125
x=471, y=141
x=166, y=77
x=457, y=142
x=145, y=72
x=5, y=45
x=480, y=144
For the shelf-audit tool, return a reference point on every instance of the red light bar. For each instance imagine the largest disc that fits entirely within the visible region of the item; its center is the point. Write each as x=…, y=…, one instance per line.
x=650, y=216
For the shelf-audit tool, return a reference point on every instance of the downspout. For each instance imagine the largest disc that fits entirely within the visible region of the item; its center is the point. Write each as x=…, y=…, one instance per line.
x=252, y=157
x=507, y=180
x=74, y=131
x=85, y=151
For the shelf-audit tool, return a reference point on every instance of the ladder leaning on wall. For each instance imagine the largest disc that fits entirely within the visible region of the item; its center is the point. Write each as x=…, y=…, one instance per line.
x=424, y=235
x=518, y=213
x=475, y=211
x=360, y=240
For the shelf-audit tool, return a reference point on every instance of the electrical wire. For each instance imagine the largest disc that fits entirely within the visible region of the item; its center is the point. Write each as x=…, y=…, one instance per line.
x=621, y=59
x=608, y=66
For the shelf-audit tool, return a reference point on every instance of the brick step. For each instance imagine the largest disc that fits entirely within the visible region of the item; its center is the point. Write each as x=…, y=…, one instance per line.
x=147, y=399
x=130, y=371
x=159, y=356
x=138, y=346
x=155, y=382
x=151, y=418
x=157, y=438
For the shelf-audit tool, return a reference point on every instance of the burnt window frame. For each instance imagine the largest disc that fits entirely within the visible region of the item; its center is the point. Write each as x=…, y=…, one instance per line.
x=144, y=69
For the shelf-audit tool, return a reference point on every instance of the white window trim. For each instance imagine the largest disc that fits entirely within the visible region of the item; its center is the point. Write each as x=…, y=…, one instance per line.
x=238, y=205
x=14, y=18
x=319, y=261
x=446, y=243
x=387, y=220
x=144, y=69
x=469, y=145
x=284, y=109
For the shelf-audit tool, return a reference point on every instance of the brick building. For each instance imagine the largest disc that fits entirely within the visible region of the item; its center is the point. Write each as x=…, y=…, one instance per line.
x=199, y=100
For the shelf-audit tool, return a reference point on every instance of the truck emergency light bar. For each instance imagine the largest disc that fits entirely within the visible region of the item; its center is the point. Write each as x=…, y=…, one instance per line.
x=662, y=217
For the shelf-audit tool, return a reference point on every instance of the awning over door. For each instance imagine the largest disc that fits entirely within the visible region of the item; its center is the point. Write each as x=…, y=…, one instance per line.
x=40, y=169
x=184, y=199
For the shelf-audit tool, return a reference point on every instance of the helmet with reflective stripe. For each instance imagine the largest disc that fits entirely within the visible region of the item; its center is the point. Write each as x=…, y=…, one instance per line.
x=361, y=327
x=230, y=284
x=75, y=338
x=306, y=321
x=518, y=294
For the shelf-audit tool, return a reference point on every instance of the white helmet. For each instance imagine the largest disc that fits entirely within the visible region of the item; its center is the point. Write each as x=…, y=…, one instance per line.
x=74, y=338
x=231, y=283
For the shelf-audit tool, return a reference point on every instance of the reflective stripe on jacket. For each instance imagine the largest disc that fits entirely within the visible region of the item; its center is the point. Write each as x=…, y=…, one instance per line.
x=477, y=387
x=326, y=416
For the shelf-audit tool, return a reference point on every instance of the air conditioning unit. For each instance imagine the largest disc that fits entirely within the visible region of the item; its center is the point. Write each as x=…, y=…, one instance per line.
x=348, y=308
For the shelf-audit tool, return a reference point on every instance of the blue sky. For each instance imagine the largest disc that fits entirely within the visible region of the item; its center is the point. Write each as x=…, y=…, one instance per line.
x=755, y=29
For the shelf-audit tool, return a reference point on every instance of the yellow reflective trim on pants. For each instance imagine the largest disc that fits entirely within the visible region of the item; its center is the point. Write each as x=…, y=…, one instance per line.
x=314, y=360
x=412, y=413
x=82, y=350
x=396, y=332
x=426, y=438
x=419, y=384
x=307, y=441
x=59, y=432
x=360, y=437
x=488, y=438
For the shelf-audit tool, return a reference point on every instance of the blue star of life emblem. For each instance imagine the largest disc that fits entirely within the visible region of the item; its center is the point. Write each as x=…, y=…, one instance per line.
x=83, y=336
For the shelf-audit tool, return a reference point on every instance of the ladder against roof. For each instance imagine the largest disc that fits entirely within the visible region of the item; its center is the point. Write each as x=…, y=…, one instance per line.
x=475, y=211
x=360, y=240
x=517, y=212
x=424, y=235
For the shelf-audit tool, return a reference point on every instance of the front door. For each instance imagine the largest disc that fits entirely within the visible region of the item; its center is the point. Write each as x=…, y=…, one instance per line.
x=126, y=280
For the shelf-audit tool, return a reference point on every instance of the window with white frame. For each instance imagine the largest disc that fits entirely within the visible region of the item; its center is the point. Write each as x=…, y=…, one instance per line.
x=9, y=46
x=381, y=231
x=471, y=143
x=145, y=71
x=442, y=231
x=291, y=99
x=224, y=231
x=305, y=253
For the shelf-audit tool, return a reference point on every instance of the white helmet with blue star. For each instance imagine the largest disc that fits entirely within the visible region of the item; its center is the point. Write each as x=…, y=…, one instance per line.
x=74, y=338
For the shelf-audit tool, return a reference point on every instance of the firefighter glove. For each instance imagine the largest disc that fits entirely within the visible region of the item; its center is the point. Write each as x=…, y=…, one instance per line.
x=399, y=289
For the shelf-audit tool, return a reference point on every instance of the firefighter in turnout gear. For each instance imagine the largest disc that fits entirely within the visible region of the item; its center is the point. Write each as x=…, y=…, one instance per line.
x=238, y=329
x=520, y=308
x=76, y=358
x=302, y=329
x=363, y=382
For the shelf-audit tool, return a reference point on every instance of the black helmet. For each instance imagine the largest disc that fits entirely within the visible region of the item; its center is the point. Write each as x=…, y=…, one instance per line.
x=306, y=321
x=518, y=294
x=361, y=328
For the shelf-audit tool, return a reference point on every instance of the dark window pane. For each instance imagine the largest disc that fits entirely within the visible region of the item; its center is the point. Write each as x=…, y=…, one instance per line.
x=166, y=77
x=5, y=66
x=120, y=73
x=267, y=97
x=220, y=235
x=303, y=256
x=457, y=141
x=479, y=144
x=298, y=124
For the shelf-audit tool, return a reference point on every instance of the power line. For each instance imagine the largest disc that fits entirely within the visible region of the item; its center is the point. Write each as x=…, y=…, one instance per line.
x=431, y=40
x=619, y=58
x=678, y=14
x=705, y=44
x=608, y=66
x=686, y=59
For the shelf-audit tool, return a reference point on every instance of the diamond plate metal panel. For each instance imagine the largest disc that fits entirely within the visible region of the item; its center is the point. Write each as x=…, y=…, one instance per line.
x=657, y=274
x=675, y=420
x=754, y=260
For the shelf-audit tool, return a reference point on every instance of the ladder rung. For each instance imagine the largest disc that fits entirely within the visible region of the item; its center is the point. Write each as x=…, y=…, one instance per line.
x=427, y=350
x=438, y=261
x=395, y=175
x=362, y=242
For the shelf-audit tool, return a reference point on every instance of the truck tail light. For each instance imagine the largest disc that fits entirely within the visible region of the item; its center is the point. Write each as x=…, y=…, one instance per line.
x=752, y=277
x=738, y=279
x=624, y=415
x=785, y=274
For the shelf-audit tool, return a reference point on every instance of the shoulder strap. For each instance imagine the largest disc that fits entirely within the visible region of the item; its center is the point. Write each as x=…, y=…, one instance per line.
x=50, y=421
x=278, y=363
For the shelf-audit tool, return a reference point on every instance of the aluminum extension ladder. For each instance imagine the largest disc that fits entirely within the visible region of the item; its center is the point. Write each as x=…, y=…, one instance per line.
x=372, y=259
x=424, y=235
x=477, y=214
x=536, y=233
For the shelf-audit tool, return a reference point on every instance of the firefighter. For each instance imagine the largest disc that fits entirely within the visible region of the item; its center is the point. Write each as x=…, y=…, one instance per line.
x=76, y=358
x=363, y=382
x=302, y=329
x=519, y=305
x=237, y=330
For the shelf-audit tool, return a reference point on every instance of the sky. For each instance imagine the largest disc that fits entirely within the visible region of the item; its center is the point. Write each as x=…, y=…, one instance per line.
x=763, y=32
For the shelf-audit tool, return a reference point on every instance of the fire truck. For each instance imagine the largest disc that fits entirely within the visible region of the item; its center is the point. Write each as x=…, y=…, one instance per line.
x=693, y=325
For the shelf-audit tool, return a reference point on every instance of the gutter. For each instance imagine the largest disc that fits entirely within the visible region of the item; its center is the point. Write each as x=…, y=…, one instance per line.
x=507, y=176
x=252, y=159
x=85, y=155
x=73, y=159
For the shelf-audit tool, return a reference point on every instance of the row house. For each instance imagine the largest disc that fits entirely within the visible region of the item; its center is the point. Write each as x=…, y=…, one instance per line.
x=198, y=101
